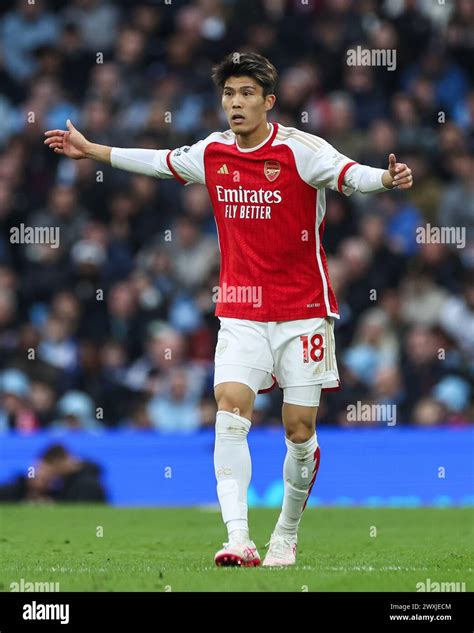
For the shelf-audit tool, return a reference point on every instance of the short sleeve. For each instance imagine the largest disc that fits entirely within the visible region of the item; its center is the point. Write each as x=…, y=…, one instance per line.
x=187, y=163
x=328, y=168
x=320, y=165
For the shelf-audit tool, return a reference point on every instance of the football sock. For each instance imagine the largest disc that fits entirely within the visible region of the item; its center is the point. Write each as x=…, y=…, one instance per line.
x=233, y=470
x=299, y=473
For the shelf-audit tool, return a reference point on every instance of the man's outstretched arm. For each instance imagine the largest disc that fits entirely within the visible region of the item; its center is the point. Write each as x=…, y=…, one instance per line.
x=322, y=165
x=186, y=164
x=370, y=179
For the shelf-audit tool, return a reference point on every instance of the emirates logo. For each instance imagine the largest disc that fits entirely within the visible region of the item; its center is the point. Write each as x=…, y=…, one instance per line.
x=271, y=169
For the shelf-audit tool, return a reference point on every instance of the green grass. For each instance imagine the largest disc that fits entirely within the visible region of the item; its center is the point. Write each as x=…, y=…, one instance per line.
x=173, y=549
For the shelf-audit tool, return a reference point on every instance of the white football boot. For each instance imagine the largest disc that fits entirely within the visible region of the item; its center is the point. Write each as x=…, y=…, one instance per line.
x=239, y=552
x=282, y=551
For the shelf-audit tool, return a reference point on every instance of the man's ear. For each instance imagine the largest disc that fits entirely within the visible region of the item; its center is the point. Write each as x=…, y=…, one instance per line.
x=269, y=102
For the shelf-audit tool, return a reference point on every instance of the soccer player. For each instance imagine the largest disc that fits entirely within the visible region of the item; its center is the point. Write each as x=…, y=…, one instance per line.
x=276, y=306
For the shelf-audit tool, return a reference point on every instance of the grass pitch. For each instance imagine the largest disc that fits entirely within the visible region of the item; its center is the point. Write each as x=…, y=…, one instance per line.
x=173, y=549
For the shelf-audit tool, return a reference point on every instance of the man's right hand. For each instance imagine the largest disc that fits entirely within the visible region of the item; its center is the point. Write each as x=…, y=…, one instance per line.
x=70, y=143
x=73, y=144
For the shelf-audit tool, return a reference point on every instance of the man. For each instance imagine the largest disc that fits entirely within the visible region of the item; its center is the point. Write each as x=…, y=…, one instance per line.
x=275, y=304
x=59, y=477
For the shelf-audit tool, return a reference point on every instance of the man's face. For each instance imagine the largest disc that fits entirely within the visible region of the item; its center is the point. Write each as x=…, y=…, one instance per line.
x=244, y=104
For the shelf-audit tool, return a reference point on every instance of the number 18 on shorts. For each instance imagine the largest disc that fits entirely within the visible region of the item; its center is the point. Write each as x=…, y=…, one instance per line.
x=297, y=353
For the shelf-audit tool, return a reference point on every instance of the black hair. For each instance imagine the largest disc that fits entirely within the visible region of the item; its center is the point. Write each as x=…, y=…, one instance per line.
x=54, y=452
x=249, y=65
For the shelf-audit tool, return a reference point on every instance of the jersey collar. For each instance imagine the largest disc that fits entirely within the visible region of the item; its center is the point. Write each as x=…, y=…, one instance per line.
x=269, y=139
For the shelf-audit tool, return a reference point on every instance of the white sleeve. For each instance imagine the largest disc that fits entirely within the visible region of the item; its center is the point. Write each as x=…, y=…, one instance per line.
x=364, y=179
x=186, y=163
x=321, y=165
x=150, y=162
x=328, y=167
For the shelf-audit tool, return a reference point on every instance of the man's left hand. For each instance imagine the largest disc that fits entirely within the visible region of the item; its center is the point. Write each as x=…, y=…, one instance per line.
x=398, y=175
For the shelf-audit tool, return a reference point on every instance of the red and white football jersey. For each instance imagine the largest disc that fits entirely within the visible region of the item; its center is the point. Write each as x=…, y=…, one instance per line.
x=269, y=207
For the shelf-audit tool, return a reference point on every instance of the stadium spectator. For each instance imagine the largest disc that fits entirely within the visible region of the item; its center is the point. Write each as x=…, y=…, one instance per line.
x=422, y=364
x=76, y=413
x=456, y=318
x=43, y=402
x=16, y=413
x=58, y=476
x=373, y=342
x=22, y=30
x=454, y=394
x=178, y=409
x=193, y=255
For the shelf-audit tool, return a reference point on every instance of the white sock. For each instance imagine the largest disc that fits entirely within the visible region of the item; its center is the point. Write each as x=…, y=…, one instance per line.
x=233, y=470
x=299, y=474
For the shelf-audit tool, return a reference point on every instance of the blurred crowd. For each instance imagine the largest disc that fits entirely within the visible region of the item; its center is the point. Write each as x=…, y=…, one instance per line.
x=116, y=326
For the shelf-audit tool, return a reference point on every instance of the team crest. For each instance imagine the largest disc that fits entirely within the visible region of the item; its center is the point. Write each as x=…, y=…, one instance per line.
x=271, y=169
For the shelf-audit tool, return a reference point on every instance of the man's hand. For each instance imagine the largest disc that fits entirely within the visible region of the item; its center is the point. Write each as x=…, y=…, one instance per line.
x=73, y=144
x=70, y=143
x=397, y=175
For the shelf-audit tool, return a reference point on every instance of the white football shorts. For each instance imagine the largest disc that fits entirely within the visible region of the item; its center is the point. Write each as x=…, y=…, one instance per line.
x=298, y=355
